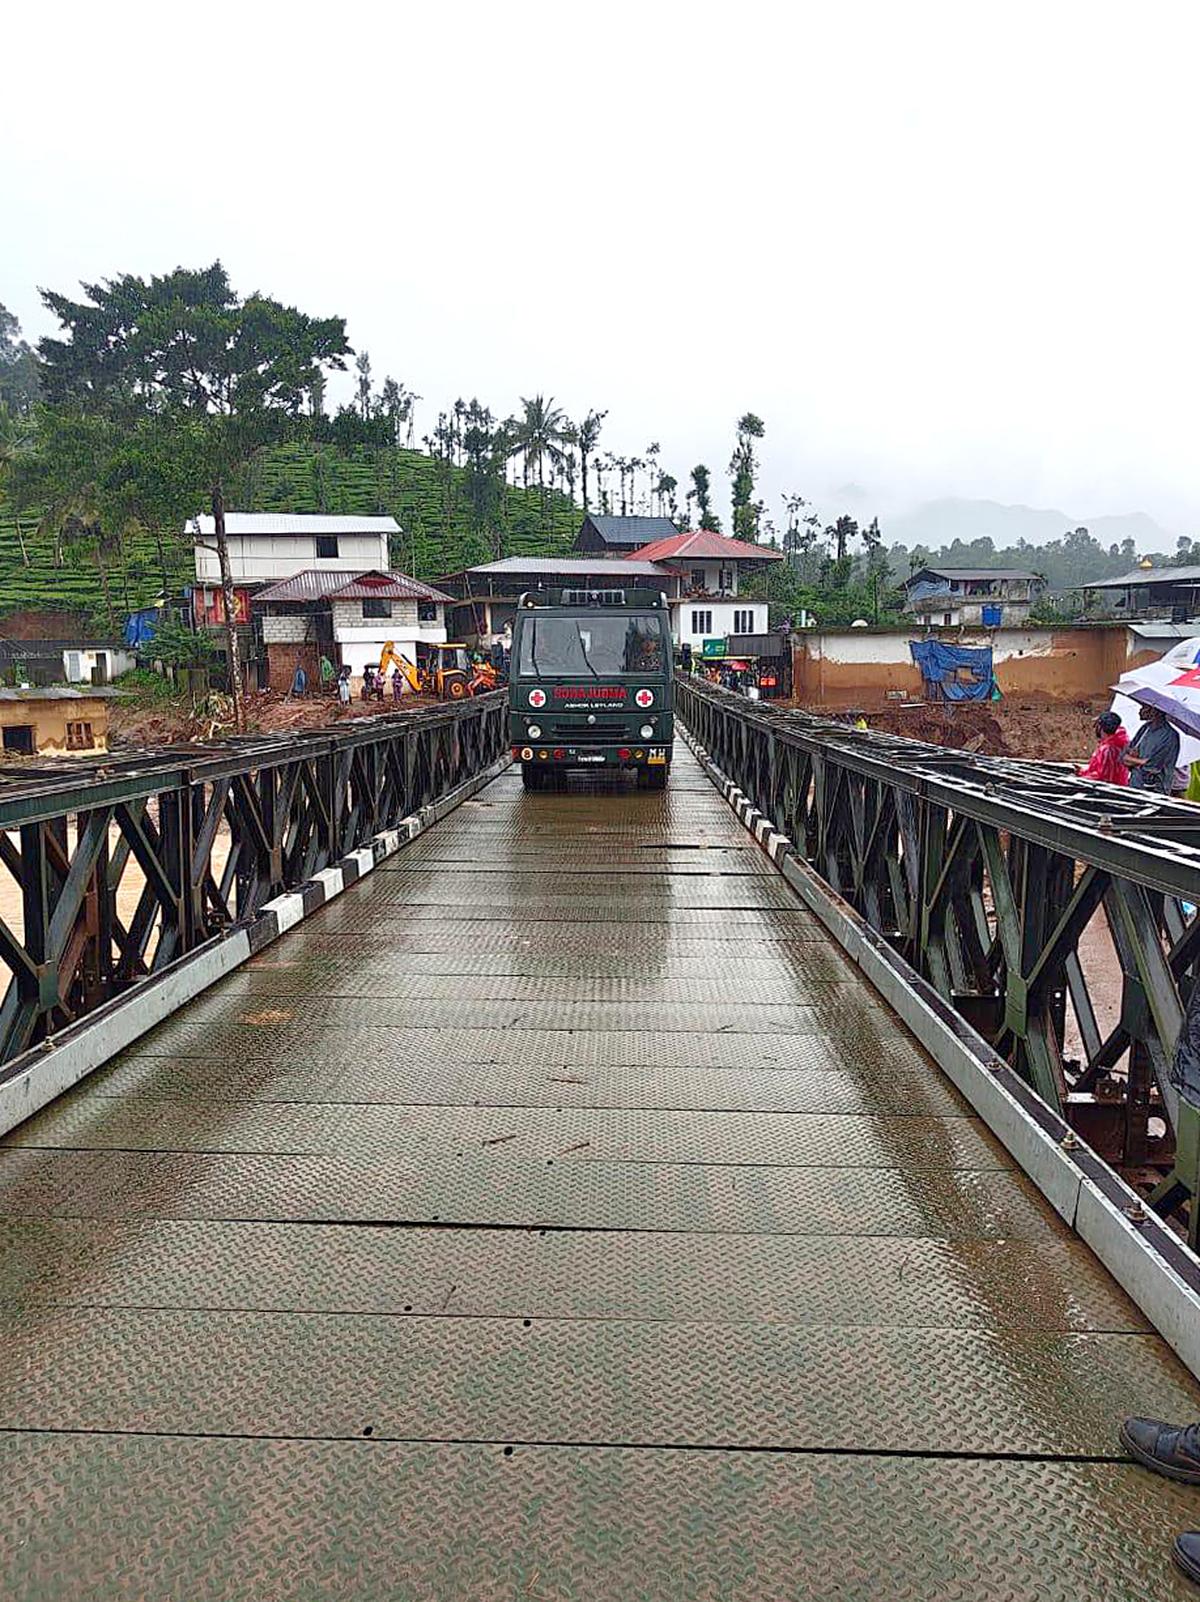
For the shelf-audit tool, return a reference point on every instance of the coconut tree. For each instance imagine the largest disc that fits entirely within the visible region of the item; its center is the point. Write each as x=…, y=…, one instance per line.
x=587, y=437
x=539, y=436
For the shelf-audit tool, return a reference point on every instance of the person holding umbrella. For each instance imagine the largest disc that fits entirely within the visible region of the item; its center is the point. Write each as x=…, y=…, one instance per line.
x=1153, y=752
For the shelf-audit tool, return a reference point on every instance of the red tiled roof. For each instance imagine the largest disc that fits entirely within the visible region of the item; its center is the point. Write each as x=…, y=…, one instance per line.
x=704, y=545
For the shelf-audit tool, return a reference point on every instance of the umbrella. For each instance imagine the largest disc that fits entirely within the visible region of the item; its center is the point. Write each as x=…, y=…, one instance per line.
x=1185, y=718
x=1175, y=682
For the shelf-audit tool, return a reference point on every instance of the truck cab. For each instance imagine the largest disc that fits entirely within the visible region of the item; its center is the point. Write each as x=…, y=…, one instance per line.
x=590, y=686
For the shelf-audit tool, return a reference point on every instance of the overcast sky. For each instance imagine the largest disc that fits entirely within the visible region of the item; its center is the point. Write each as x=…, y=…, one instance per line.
x=941, y=248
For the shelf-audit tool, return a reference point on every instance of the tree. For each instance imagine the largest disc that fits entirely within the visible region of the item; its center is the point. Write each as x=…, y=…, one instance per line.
x=178, y=647
x=743, y=465
x=664, y=495
x=538, y=437
x=362, y=388
x=801, y=537
x=653, y=451
x=702, y=490
x=215, y=379
x=841, y=533
x=16, y=441
x=19, y=381
x=586, y=438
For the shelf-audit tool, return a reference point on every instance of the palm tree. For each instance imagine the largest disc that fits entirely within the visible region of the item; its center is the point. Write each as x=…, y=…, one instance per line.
x=587, y=437
x=635, y=464
x=651, y=464
x=539, y=436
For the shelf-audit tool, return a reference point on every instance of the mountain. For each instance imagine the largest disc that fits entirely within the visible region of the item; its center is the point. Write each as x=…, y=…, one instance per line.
x=939, y=523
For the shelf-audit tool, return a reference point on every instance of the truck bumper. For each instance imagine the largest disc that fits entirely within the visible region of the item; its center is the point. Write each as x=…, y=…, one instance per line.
x=592, y=756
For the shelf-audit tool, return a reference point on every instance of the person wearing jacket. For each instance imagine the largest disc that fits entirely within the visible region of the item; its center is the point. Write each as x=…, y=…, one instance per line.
x=1153, y=753
x=1107, y=760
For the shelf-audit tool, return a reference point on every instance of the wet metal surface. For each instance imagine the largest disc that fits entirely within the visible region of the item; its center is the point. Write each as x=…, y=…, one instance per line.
x=557, y=1216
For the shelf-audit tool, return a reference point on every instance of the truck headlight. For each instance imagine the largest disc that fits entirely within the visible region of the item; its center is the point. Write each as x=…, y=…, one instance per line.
x=647, y=731
x=534, y=731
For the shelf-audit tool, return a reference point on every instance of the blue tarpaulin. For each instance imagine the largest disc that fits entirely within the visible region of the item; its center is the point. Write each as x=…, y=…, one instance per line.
x=954, y=672
x=139, y=626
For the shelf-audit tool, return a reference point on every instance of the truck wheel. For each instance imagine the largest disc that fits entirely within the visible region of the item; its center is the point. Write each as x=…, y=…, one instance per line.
x=455, y=687
x=533, y=778
x=652, y=778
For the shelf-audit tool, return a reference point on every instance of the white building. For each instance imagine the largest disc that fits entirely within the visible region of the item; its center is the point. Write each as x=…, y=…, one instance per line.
x=709, y=569
x=348, y=618
x=267, y=546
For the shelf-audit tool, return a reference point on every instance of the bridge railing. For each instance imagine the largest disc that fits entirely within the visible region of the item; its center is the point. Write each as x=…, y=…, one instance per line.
x=1057, y=915
x=113, y=869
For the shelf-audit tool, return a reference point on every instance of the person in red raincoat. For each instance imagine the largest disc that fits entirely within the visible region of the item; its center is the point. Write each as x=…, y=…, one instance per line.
x=1106, y=760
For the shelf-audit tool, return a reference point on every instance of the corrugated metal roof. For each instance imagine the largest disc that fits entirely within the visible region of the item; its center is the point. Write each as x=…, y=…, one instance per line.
x=318, y=584
x=306, y=523
x=973, y=573
x=704, y=545
x=633, y=531
x=572, y=566
x=1147, y=575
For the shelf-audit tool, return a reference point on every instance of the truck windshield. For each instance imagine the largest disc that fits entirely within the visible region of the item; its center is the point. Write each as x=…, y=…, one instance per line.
x=590, y=646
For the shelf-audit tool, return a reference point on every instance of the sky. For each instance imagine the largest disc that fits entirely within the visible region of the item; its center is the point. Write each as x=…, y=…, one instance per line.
x=942, y=249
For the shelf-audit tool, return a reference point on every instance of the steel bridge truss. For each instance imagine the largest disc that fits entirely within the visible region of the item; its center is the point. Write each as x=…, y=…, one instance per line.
x=121, y=867
x=1026, y=896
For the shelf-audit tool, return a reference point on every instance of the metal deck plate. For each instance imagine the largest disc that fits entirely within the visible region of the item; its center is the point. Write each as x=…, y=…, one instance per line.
x=392, y=1135
x=841, y=1087
x=776, y=1279
x=676, y=1383
x=655, y=1169
x=442, y=1049
x=355, y=984
x=326, y=960
x=828, y=1009
x=379, y=1522
x=493, y=1188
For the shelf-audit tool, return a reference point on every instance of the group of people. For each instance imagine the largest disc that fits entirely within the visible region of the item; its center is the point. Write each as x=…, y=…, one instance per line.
x=1147, y=762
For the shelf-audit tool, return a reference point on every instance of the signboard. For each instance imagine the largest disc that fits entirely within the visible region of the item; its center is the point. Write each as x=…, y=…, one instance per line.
x=713, y=648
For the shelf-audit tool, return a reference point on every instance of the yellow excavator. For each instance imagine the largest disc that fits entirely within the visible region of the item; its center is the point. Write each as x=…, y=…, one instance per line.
x=450, y=673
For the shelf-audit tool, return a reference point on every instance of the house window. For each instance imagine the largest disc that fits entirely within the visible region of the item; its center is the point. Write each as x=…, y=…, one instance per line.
x=19, y=738
x=74, y=667
x=701, y=622
x=427, y=611
x=743, y=622
x=698, y=578
x=376, y=608
x=725, y=580
x=79, y=737
x=327, y=544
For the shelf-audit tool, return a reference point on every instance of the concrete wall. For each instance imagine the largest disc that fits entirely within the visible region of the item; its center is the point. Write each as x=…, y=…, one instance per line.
x=265, y=558
x=723, y=621
x=861, y=667
x=49, y=719
x=289, y=630
x=79, y=666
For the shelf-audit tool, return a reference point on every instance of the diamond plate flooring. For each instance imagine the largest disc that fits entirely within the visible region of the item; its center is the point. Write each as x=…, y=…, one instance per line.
x=557, y=1215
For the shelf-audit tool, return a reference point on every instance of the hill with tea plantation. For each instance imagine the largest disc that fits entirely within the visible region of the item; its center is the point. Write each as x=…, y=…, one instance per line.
x=433, y=500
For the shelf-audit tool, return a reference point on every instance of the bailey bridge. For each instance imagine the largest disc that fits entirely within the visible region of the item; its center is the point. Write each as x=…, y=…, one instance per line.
x=412, y=1188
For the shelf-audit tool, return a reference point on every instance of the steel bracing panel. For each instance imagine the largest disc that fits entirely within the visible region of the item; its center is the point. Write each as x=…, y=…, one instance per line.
x=1060, y=916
